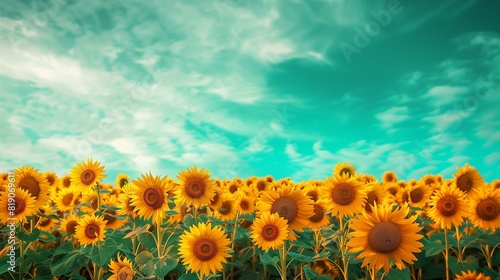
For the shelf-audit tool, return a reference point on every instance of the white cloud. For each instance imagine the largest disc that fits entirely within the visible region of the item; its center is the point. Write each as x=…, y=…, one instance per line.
x=393, y=116
x=492, y=159
x=445, y=94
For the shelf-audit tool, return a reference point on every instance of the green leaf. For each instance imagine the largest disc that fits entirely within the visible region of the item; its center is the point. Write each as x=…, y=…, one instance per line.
x=470, y=263
x=29, y=237
x=148, y=240
x=309, y=273
x=64, y=263
x=300, y=257
x=432, y=248
x=266, y=259
x=134, y=233
x=46, y=236
x=396, y=274
x=64, y=249
x=188, y=276
x=163, y=266
x=102, y=253
x=143, y=260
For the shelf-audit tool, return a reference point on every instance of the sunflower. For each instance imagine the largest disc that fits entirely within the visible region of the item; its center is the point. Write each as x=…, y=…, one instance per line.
x=344, y=195
x=228, y=208
x=65, y=182
x=53, y=181
x=471, y=275
x=325, y=267
x=195, y=188
x=289, y=203
x=203, y=248
x=90, y=202
x=124, y=200
x=344, y=168
x=468, y=179
x=69, y=224
x=312, y=191
x=269, y=179
x=269, y=231
x=181, y=210
x=495, y=184
x=65, y=200
x=245, y=203
x=112, y=221
x=121, y=180
x=261, y=184
x=418, y=195
x=150, y=197
x=233, y=186
x=216, y=201
x=22, y=205
x=375, y=196
x=428, y=180
x=484, y=209
x=320, y=218
x=37, y=186
x=389, y=177
x=448, y=207
x=45, y=223
x=385, y=236
x=121, y=269
x=90, y=229
x=85, y=175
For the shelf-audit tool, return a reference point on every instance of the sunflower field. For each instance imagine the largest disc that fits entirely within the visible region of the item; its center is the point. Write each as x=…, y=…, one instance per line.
x=191, y=226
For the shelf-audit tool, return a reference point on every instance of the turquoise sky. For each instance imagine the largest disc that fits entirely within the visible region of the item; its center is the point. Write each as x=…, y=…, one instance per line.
x=242, y=88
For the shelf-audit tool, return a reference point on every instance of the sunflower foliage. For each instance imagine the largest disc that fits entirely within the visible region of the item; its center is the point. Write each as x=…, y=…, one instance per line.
x=81, y=225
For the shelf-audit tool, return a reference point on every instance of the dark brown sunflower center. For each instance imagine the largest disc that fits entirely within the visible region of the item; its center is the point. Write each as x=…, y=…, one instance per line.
x=123, y=182
x=109, y=218
x=371, y=200
x=346, y=171
x=270, y=232
x=343, y=194
x=389, y=178
x=30, y=185
x=94, y=204
x=244, y=204
x=393, y=190
x=488, y=209
x=130, y=208
x=313, y=195
x=205, y=249
x=153, y=197
x=261, y=186
x=416, y=195
x=67, y=199
x=447, y=206
x=19, y=205
x=318, y=214
x=225, y=208
x=45, y=222
x=88, y=177
x=429, y=181
x=71, y=226
x=91, y=231
x=233, y=188
x=405, y=197
x=215, y=199
x=195, y=188
x=286, y=208
x=51, y=180
x=125, y=274
x=464, y=183
x=384, y=237
x=66, y=182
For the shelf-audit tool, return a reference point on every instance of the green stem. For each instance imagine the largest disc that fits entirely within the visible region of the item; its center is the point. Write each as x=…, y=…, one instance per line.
x=487, y=255
x=98, y=197
x=160, y=239
x=446, y=253
x=459, y=248
x=283, y=262
x=343, y=248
